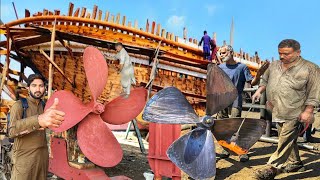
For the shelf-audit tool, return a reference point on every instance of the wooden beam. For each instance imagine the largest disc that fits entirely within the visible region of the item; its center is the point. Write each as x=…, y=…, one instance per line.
x=10, y=71
x=123, y=20
x=107, y=16
x=147, y=26
x=70, y=10
x=94, y=12
x=26, y=13
x=100, y=15
x=6, y=68
x=83, y=12
x=76, y=13
x=53, y=37
x=163, y=33
x=158, y=29
x=136, y=24
x=118, y=18
x=112, y=18
x=153, y=27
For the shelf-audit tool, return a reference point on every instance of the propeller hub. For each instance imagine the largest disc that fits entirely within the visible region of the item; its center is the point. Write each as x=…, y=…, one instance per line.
x=207, y=121
x=98, y=108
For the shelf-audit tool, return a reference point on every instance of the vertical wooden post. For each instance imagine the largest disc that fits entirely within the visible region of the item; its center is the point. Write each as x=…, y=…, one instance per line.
x=107, y=16
x=147, y=26
x=123, y=20
x=185, y=33
x=70, y=10
x=6, y=67
x=163, y=33
x=135, y=24
x=94, y=12
x=112, y=18
x=100, y=15
x=153, y=27
x=158, y=29
x=118, y=18
x=53, y=37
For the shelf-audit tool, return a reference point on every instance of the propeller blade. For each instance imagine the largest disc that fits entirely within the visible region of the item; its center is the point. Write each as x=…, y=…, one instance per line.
x=96, y=70
x=249, y=134
x=121, y=111
x=194, y=153
x=170, y=106
x=73, y=107
x=220, y=90
x=97, y=142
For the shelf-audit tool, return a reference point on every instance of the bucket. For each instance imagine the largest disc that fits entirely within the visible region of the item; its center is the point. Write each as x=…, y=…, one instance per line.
x=148, y=175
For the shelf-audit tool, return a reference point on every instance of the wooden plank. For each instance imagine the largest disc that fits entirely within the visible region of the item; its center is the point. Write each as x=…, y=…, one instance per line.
x=153, y=27
x=123, y=20
x=147, y=26
x=94, y=12
x=83, y=12
x=57, y=12
x=167, y=35
x=112, y=18
x=176, y=38
x=172, y=37
x=45, y=12
x=107, y=16
x=163, y=33
x=6, y=68
x=136, y=24
x=88, y=15
x=26, y=13
x=100, y=15
x=3, y=52
x=158, y=29
x=118, y=18
x=53, y=37
x=70, y=10
x=76, y=13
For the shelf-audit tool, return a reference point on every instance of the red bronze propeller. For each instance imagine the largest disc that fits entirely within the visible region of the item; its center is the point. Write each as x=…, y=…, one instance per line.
x=95, y=139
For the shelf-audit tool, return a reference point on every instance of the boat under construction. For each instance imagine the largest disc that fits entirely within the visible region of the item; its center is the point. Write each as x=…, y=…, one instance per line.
x=53, y=44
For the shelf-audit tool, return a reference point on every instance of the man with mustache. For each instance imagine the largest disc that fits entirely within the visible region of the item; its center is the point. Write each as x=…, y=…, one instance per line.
x=292, y=86
x=30, y=156
x=239, y=74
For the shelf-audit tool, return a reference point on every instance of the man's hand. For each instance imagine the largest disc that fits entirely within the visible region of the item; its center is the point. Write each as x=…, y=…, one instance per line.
x=256, y=96
x=51, y=118
x=306, y=117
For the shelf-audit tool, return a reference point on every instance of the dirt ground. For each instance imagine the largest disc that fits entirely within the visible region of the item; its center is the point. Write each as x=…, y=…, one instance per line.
x=134, y=163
